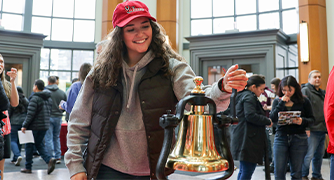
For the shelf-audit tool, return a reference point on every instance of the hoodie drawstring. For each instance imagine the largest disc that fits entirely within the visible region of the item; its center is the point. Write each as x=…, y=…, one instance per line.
x=132, y=84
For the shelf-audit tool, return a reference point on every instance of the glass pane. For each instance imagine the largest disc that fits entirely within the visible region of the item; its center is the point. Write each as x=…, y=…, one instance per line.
x=62, y=10
x=200, y=9
x=14, y=6
x=268, y=5
x=41, y=25
x=280, y=74
x=62, y=30
x=292, y=63
x=290, y=21
x=43, y=75
x=84, y=9
x=223, y=8
x=45, y=58
x=42, y=7
x=246, y=23
x=201, y=27
x=222, y=24
x=0, y=5
x=60, y=59
x=280, y=61
x=64, y=77
x=245, y=6
x=75, y=75
x=89, y=31
x=269, y=21
x=12, y=22
x=289, y=4
x=80, y=57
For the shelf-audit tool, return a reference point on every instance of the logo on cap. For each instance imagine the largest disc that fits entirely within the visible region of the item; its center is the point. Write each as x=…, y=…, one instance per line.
x=131, y=9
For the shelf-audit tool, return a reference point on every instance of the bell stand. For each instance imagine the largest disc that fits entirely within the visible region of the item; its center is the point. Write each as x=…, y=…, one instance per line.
x=170, y=121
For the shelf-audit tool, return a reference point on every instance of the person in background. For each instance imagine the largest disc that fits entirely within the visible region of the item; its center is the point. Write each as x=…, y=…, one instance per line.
x=249, y=136
x=317, y=131
x=67, y=117
x=17, y=115
x=290, y=141
x=136, y=78
x=13, y=96
x=52, y=140
x=38, y=120
x=57, y=80
x=75, y=88
x=274, y=83
x=329, y=118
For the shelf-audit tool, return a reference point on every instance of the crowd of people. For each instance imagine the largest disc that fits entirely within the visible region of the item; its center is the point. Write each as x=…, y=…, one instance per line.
x=114, y=107
x=39, y=113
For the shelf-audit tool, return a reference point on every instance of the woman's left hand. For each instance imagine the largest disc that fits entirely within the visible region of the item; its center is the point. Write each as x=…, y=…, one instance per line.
x=298, y=121
x=12, y=74
x=235, y=78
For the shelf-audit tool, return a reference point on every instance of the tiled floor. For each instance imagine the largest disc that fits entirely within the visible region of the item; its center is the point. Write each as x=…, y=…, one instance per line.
x=62, y=174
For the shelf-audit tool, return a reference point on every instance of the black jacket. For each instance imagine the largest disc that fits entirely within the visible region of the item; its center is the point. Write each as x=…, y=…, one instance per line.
x=306, y=114
x=4, y=102
x=317, y=100
x=56, y=95
x=18, y=114
x=39, y=108
x=249, y=136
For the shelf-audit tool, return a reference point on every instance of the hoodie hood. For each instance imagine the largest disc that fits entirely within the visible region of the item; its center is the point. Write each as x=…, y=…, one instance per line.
x=132, y=76
x=52, y=87
x=45, y=94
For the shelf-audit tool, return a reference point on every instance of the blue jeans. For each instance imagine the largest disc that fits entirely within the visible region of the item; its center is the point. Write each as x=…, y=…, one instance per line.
x=246, y=170
x=38, y=137
x=52, y=140
x=289, y=146
x=14, y=142
x=332, y=168
x=315, y=152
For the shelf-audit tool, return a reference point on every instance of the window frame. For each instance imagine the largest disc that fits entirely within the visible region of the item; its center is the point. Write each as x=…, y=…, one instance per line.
x=280, y=10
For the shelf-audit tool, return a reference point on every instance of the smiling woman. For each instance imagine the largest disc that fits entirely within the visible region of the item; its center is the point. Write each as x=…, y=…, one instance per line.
x=136, y=78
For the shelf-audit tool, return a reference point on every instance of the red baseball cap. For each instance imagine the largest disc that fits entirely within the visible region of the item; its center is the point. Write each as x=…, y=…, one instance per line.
x=129, y=10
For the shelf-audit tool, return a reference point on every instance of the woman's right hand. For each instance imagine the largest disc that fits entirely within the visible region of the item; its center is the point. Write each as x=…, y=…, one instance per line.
x=285, y=99
x=79, y=176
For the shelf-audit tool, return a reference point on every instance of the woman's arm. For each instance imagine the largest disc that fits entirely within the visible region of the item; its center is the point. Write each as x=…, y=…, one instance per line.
x=79, y=128
x=14, y=96
x=183, y=84
x=277, y=106
x=251, y=115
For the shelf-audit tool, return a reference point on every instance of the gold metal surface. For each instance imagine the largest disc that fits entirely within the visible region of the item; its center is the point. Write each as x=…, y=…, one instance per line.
x=195, y=148
x=198, y=81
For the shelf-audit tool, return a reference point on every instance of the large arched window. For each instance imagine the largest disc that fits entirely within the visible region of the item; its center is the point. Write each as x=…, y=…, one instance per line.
x=220, y=16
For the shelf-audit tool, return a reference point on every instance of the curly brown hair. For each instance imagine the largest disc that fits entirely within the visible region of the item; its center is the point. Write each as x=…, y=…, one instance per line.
x=109, y=63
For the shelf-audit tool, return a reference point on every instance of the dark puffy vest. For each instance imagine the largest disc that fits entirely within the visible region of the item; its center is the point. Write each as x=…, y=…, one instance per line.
x=156, y=96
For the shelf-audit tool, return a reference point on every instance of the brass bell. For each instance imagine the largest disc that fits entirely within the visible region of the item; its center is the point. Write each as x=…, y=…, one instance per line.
x=195, y=149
